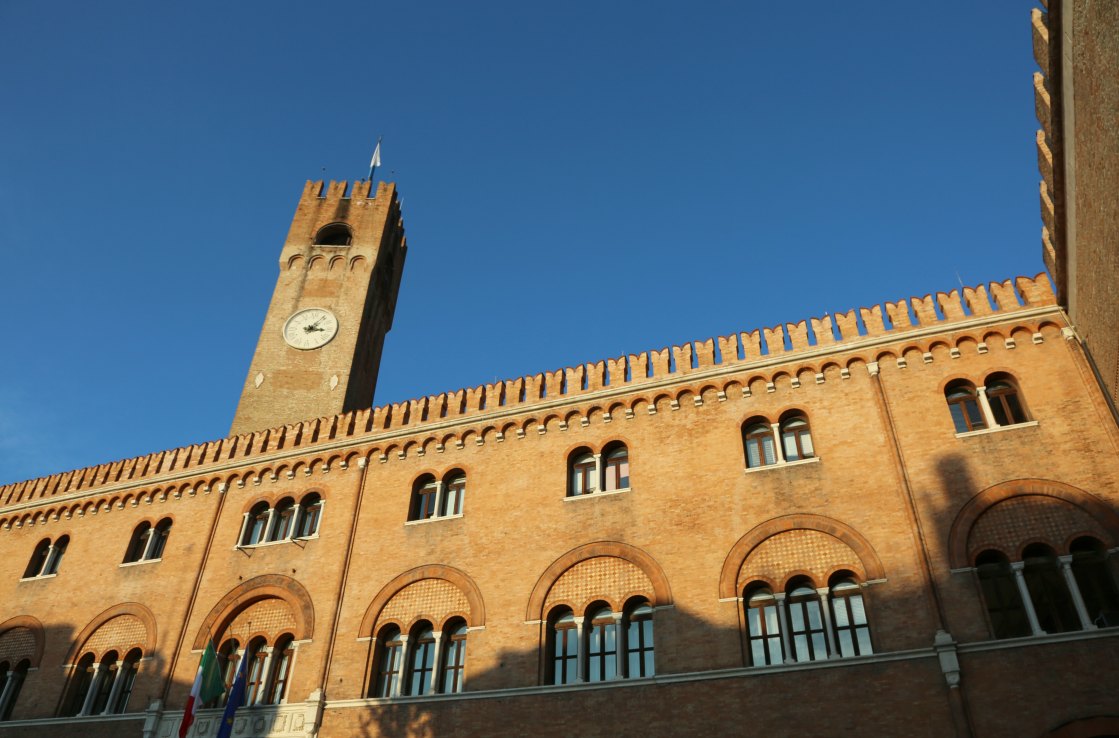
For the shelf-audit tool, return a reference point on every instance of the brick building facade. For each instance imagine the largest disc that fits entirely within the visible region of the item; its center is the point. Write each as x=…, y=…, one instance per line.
x=901, y=520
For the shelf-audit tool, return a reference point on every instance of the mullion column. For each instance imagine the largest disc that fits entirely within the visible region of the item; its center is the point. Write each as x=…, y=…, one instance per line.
x=832, y=643
x=436, y=662
x=779, y=453
x=440, y=495
x=115, y=691
x=401, y=670
x=783, y=626
x=91, y=695
x=985, y=407
x=1074, y=589
x=580, y=650
x=1027, y=603
x=619, y=651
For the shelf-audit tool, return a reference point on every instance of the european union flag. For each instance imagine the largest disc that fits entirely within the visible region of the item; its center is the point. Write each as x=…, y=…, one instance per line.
x=236, y=698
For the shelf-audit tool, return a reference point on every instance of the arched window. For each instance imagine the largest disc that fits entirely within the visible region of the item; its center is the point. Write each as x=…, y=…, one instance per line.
x=310, y=511
x=1000, y=595
x=564, y=646
x=147, y=542
x=1096, y=582
x=763, y=626
x=256, y=525
x=228, y=660
x=281, y=669
x=963, y=404
x=796, y=438
x=103, y=682
x=454, y=656
x=126, y=678
x=848, y=610
x=159, y=539
x=80, y=682
x=757, y=439
x=387, y=662
x=581, y=474
x=54, y=560
x=257, y=654
x=1006, y=406
x=139, y=543
x=602, y=646
x=11, y=681
x=283, y=520
x=335, y=234
x=454, y=489
x=424, y=493
x=638, y=625
x=421, y=666
x=1048, y=591
x=38, y=560
x=616, y=468
x=806, y=623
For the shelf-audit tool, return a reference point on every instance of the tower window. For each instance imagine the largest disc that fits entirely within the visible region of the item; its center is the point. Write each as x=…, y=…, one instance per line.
x=335, y=234
x=581, y=474
x=1006, y=404
x=757, y=438
x=963, y=404
x=796, y=438
x=616, y=468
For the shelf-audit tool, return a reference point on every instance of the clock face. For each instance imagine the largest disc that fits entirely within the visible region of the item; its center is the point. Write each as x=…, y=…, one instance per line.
x=310, y=328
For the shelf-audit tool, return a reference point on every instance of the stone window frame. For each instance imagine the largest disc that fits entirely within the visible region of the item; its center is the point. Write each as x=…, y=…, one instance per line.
x=589, y=471
x=593, y=622
x=1004, y=387
x=441, y=497
x=49, y=554
x=766, y=440
x=265, y=512
x=148, y=542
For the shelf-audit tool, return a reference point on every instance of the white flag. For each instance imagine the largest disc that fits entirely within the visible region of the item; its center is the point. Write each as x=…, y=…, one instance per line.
x=376, y=160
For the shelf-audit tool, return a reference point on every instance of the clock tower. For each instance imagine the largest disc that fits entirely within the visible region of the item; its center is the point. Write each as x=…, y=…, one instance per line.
x=320, y=347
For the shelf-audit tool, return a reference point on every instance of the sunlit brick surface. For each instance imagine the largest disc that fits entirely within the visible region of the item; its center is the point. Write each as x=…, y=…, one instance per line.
x=802, y=551
x=15, y=645
x=121, y=633
x=605, y=577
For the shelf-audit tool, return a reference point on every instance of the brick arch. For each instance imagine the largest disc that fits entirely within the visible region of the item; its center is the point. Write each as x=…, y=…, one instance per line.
x=267, y=586
x=728, y=578
x=135, y=609
x=466, y=585
x=38, y=633
x=970, y=513
x=662, y=594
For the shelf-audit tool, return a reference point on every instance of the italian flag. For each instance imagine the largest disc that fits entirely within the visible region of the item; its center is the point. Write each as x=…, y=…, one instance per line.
x=208, y=685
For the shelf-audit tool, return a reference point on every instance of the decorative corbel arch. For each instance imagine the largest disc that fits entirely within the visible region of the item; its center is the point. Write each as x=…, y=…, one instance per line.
x=728, y=578
x=662, y=594
x=450, y=574
x=135, y=609
x=980, y=503
x=266, y=586
x=37, y=632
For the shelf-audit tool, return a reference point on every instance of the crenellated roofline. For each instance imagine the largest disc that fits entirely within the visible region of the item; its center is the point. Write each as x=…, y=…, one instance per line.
x=648, y=371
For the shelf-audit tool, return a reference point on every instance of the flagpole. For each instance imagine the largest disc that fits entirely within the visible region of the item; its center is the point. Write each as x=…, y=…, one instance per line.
x=375, y=160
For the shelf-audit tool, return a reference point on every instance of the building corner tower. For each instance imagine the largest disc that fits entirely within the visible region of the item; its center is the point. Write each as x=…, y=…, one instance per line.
x=320, y=348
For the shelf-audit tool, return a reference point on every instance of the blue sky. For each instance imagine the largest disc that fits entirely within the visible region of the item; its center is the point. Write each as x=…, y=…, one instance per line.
x=579, y=180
